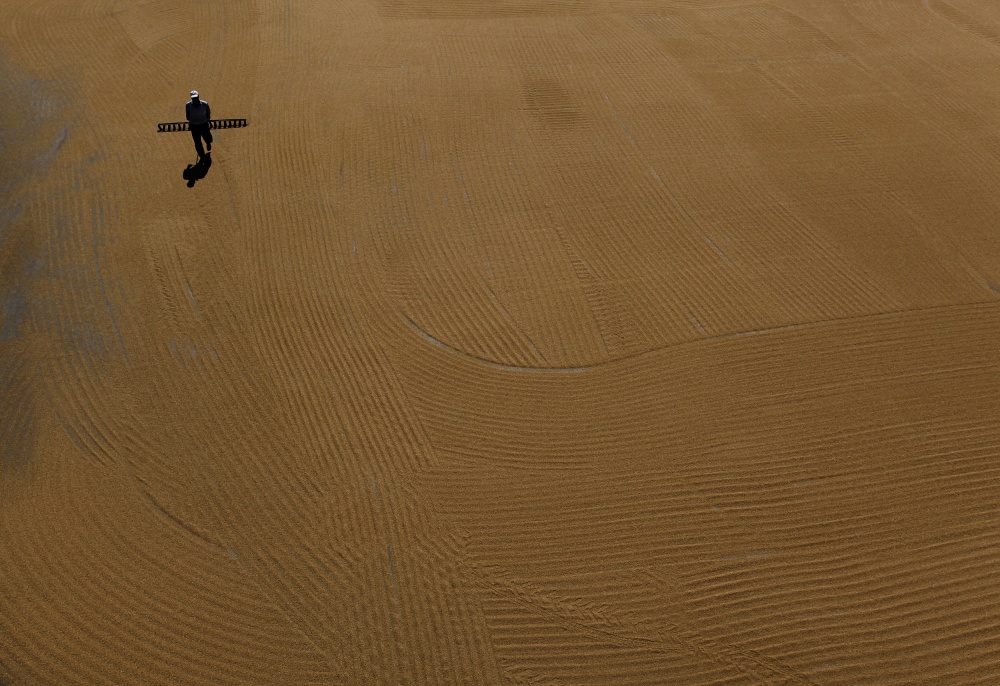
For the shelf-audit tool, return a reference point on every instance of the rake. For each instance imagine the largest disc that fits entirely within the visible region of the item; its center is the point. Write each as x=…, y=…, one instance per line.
x=212, y=124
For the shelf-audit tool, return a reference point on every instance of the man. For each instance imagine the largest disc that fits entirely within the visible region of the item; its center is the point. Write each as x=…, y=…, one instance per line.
x=198, y=116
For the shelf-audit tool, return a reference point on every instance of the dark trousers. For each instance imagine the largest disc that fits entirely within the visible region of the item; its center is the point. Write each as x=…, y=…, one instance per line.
x=199, y=131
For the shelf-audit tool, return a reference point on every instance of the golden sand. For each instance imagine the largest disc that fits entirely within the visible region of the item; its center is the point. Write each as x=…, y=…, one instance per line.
x=512, y=342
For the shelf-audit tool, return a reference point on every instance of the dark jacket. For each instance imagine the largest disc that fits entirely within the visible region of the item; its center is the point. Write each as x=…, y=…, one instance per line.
x=198, y=114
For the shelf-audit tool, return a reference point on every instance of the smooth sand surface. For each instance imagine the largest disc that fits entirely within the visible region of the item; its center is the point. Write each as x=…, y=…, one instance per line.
x=513, y=342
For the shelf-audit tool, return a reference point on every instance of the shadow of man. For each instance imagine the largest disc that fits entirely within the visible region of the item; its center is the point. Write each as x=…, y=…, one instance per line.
x=196, y=172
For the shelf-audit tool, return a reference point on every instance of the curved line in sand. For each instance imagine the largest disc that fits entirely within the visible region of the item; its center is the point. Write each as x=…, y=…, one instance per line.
x=481, y=360
x=710, y=339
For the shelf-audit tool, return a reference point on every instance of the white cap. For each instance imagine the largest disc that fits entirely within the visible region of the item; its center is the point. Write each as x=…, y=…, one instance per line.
x=194, y=94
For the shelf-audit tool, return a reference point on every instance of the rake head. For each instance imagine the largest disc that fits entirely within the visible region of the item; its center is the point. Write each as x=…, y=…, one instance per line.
x=212, y=124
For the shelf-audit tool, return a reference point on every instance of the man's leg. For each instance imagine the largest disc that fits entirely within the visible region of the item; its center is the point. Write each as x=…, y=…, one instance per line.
x=208, y=137
x=196, y=134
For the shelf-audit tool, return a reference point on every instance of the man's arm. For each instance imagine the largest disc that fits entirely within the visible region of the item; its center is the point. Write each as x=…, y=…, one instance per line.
x=208, y=111
x=187, y=111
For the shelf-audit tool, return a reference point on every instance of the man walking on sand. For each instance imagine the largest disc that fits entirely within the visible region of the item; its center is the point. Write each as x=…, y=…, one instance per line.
x=198, y=115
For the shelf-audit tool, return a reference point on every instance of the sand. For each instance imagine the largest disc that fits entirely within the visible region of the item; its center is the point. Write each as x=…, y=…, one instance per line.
x=512, y=342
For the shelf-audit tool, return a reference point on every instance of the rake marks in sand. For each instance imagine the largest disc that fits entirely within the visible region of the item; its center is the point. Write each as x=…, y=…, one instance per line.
x=564, y=342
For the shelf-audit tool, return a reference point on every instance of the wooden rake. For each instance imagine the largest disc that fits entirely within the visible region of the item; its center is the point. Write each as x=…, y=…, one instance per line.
x=212, y=124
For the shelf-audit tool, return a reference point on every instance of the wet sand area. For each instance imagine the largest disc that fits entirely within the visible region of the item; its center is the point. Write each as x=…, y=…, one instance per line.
x=559, y=342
